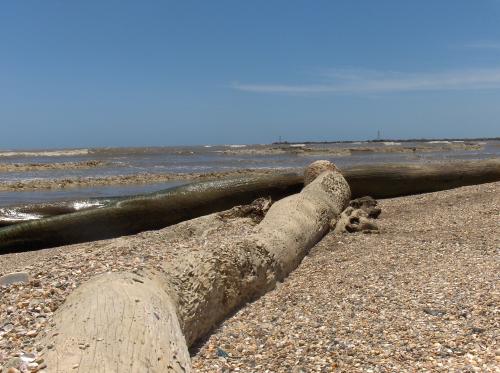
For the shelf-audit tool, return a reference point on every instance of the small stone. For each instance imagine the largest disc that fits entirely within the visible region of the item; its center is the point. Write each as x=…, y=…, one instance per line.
x=13, y=278
x=13, y=363
x=76, y=366
x=476, y=330
x=432, y=312
x=13, y=370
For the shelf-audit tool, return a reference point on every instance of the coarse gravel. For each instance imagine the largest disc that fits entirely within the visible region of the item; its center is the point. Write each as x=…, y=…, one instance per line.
x=420, y=296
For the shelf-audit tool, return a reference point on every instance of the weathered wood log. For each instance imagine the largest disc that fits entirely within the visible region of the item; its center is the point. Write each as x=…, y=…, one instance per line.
x=145, y=212
x=133, y=323
x=158, y=210
x=395, y=180
x=118, y=322
x=12, y=215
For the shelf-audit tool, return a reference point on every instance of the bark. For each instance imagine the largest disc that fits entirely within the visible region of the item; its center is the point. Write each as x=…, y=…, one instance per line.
x=131, y=323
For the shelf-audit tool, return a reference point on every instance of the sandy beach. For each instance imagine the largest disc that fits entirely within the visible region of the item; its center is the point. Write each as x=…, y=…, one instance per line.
x=420, y=295
x=250, y=187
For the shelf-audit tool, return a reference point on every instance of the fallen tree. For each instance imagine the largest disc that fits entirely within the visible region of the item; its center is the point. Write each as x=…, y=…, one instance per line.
x=395, y=180
x=158, y=210
x=145, y=322
x=145, y=212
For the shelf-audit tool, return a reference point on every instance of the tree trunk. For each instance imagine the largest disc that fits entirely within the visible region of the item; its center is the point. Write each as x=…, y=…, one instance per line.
x=395, y=180
x=131, y=323
x=146, y=212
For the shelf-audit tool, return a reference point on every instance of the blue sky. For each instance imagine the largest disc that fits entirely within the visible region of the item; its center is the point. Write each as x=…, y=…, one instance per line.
x=138, y=73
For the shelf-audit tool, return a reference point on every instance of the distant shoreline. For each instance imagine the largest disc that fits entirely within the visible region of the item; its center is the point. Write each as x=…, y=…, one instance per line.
x=387, y=140
x=183, y=149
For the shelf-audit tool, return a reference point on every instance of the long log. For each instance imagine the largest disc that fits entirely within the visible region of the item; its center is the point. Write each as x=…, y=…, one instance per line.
x=145, y=212
x=124, y=322
x=158, y=210
x=395, y=180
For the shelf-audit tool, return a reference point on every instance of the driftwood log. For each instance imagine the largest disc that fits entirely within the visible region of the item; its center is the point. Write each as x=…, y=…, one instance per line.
x=145, y=322
x=158, y=210
x=145, y=212
x=395, y=180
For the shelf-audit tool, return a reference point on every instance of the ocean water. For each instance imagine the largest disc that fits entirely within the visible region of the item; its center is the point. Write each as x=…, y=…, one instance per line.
x=200, y=159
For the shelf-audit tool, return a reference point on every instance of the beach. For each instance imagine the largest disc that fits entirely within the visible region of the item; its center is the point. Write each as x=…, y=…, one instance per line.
x=250, y=187
x=419, y=295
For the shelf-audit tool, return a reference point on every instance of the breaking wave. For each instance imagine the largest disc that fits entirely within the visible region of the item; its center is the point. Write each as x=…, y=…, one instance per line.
x=80, y=205
x=45, y=153
x=14, y=215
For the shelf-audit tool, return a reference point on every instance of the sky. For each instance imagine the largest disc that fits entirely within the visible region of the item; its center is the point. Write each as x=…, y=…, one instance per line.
x=158, y=73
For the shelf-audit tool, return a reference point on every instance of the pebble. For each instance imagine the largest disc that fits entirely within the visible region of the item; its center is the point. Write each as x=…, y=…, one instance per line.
x=14, y=278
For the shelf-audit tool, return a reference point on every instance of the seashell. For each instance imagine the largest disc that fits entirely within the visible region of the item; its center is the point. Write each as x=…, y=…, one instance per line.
x=8, y=327
x=28, y=357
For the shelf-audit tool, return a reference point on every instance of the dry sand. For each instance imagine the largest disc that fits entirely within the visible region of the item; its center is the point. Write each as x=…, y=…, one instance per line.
x=420, y=296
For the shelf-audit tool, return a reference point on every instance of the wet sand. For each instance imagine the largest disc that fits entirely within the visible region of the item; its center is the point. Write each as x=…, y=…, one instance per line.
x=26, y=167
x=143, y=178
x=391, y=147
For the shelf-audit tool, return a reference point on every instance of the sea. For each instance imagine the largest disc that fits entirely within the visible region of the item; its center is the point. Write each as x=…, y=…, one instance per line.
x=202, y=159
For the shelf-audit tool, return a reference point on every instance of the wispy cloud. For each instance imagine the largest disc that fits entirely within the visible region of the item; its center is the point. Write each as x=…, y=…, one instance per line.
x=366, y=81
x=483, y=45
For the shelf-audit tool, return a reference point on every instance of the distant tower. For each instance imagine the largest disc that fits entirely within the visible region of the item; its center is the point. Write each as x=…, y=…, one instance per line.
x=378, y=135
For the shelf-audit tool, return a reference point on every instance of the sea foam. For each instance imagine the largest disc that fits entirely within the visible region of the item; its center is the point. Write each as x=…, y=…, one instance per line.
x=45, y=153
